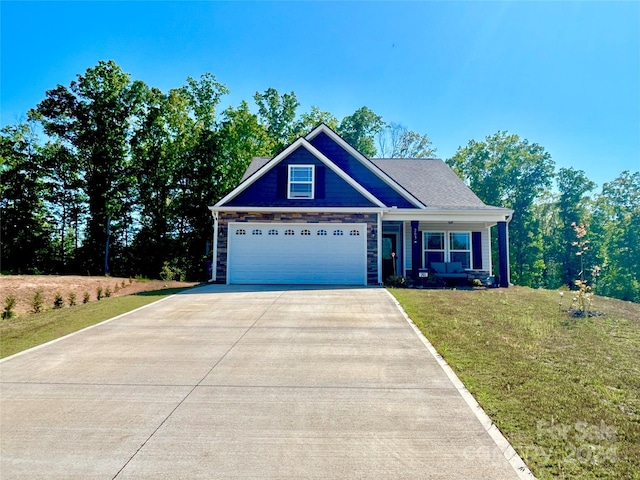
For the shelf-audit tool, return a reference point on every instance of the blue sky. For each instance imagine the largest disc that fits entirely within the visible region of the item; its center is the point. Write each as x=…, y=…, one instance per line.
x=565, y=75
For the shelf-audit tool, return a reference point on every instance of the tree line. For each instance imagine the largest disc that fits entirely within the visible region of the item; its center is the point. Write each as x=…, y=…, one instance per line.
x=111, y=176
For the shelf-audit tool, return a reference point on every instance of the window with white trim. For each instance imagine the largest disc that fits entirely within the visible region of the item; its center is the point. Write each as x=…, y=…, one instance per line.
x=289, y=232
x=273, y=232
x=354, y=233
x=257, y=231
x=446, y=247
x=338, y=232
x=241, y=231
x=321, y=232
x=305, y=232
x=433, y=246
x=460, y=248
x=300, y=184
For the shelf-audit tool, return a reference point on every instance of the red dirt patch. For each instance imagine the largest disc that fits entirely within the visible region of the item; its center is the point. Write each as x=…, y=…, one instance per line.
x=24, y=287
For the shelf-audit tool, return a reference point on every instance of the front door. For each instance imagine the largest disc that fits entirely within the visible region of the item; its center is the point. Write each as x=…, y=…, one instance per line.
x=389, y=256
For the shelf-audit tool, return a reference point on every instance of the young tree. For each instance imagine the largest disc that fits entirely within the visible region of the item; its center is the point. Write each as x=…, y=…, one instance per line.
x=573, y=187
x=509, y=172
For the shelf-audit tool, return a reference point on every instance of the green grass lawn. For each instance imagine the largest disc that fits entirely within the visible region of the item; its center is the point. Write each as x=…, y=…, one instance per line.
x=564, y=391
x=26, y=331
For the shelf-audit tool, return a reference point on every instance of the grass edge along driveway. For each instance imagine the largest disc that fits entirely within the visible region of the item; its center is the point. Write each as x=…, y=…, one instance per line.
x=27, y=331
x=564, y=391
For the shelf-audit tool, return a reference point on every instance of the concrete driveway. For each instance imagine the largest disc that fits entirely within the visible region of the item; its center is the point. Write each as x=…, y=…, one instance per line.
x=239, y=382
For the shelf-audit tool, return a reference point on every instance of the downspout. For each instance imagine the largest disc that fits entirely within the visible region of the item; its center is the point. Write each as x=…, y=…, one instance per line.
x=214, y=260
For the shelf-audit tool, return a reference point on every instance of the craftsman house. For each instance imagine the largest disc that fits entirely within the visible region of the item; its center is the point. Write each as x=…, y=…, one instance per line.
x=320, y=212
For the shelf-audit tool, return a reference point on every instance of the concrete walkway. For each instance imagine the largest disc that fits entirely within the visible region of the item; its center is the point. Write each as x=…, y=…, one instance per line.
x=239, y=382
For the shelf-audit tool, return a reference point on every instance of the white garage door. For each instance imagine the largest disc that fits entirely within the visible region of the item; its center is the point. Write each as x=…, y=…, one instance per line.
x=285, y=253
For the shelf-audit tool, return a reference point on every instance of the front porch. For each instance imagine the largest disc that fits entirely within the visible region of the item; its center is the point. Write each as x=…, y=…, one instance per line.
x=411, y=246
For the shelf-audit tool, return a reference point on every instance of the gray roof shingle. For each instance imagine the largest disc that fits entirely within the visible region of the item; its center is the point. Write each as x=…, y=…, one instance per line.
x=431, y=181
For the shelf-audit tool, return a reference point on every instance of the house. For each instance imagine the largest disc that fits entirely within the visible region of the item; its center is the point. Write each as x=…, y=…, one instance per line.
x=320, y=212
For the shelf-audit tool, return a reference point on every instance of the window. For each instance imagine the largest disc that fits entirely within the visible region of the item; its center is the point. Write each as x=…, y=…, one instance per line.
x=354, y=233
x=460, y=248
x=300, y=181
x=447, y=247
x=305, y=232
x=338, y=232
x=289, y=232
x=256, y=232
x=273, y=232
x=241, y=231
x=433, y=247
x=321, y=232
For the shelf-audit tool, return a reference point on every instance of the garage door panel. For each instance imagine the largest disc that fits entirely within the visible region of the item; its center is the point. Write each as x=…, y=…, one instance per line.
x=309, y=253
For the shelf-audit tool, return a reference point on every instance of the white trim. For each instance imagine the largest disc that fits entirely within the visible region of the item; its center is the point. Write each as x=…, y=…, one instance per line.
x=379, y=242
x=490, y=217
x=301, y=142
x=312, y=182
x=390, y=214
x=298, y=209
x=447, y=246
x=322, y=128
x=214, y=262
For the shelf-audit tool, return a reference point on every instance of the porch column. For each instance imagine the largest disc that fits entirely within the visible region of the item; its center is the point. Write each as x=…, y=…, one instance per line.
x=415, y=250
x=379, y=247
x=503, y=254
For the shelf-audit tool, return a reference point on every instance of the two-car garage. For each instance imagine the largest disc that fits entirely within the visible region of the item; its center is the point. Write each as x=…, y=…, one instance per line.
x=297, y=253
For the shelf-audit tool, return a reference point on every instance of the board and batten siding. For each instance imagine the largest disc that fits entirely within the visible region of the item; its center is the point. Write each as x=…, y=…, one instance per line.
x=445, y=227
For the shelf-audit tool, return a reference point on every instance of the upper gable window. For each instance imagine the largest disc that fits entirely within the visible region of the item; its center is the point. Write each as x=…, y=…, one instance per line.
x=300, y=183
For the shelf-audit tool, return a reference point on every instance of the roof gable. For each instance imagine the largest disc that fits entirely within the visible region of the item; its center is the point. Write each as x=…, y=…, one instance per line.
x=361, y=168
x=262, y=184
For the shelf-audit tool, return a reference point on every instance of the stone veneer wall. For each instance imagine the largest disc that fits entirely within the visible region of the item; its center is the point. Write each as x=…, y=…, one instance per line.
x=369, y=218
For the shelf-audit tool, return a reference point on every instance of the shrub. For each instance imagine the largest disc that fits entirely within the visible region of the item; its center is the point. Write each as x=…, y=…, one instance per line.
x=123, y=284
x=9, y=304
x=99, y=293
x=116, y=288
x=130, y=280
x=58, y=302
x=107, y=292
x=72, y=299
x=397, y=281
x=86, y=297
x=36, y=303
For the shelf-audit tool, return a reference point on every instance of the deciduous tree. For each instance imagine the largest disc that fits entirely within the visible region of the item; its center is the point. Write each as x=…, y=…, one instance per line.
x=397, y=141
x=359, y=130
x=93, y=118
x=507, y=171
